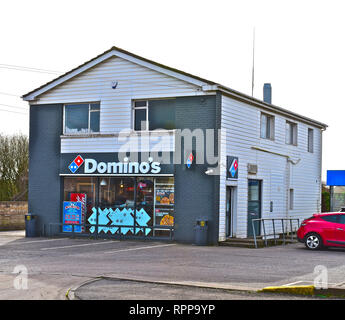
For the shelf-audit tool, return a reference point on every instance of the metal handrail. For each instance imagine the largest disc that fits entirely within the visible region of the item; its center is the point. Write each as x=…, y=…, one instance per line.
x=262, y=220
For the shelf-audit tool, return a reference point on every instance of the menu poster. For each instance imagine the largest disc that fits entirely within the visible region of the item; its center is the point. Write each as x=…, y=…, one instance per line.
x=165, y=196
x=81, y=197
x=167, y=220
x=72, y=212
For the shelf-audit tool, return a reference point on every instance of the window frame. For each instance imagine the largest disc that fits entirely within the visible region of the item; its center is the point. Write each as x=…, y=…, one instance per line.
x=310, y=142
x=270, y=121
x=89, y=117
x=294, y=130
x=147, y=108
x=134, y=108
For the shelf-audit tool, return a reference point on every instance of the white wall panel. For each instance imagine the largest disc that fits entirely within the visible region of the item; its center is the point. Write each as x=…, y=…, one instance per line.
x=164, y=143
x=242, y=125
x=134, y=82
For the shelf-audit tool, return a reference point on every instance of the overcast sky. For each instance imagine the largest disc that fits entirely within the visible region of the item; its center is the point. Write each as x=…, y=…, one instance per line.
x=299, y=48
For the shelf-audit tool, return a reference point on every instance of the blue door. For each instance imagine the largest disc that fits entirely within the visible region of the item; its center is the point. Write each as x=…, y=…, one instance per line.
x=254, y=206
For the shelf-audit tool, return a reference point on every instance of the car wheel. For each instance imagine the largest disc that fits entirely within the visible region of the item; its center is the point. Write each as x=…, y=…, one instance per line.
x=313, y=241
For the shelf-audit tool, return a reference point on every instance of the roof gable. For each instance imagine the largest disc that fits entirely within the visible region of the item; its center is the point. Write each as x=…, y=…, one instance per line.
x=116, y=52
x=204, y=84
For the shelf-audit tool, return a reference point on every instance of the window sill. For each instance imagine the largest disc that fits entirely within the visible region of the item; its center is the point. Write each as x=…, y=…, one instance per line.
x=268, y=139
x=117, y=134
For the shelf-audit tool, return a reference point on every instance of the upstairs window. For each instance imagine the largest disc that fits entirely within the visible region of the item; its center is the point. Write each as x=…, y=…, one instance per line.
x=81, y=118
x=267, y=126
x=154, y=114
x=141, y=115
x=310, y=140
x=291, y=133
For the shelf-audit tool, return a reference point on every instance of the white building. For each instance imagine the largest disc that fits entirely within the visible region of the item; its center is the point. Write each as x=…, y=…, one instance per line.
x=83, y=113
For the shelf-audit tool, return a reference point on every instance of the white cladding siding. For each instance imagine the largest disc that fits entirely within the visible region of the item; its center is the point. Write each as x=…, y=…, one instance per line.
x=163, y=143
x=134, y=82
x=242, y=132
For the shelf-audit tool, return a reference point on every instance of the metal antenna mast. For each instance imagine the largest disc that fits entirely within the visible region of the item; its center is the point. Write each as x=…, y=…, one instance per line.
x=253, y=62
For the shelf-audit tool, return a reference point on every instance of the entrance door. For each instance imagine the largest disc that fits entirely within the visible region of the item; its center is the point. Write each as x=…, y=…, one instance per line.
x=230, y=211
x=254, y=206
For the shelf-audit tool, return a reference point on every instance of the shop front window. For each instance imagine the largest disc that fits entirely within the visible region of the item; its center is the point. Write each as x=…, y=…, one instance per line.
x=83, y=190
x=164, y=204
x=128, y=205
x=116, y=192
x=144, y=205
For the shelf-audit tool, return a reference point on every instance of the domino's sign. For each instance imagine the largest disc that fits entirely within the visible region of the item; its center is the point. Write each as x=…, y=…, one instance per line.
x=189, y=161
x=232, y=167
x=75, y=164
x=92, y=166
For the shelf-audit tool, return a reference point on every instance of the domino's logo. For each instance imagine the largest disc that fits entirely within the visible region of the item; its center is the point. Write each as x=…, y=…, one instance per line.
x=232, y=167
x=76, y=163
x=190, y=160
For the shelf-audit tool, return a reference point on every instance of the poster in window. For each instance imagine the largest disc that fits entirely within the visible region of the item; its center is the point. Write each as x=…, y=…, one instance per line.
x=167, y=220
x=72, y=213
x=81, y=197
x=165, y=196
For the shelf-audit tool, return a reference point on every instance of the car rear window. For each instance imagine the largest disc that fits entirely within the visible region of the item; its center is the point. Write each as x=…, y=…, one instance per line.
x=331, y=218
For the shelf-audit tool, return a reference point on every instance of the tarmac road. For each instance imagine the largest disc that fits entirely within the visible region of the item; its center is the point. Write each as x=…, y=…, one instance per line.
x=56, y=265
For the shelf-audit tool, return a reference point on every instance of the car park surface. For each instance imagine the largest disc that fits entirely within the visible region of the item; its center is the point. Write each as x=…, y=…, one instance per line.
x=54, y=265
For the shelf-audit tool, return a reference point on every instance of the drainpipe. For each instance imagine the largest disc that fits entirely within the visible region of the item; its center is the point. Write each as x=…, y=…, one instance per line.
x=287, y=177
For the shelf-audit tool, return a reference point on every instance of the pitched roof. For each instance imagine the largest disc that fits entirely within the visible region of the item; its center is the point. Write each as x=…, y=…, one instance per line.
x=207, y=84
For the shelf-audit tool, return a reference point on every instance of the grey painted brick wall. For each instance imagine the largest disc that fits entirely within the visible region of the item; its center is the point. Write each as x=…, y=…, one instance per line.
x=45, y=193
x=196, y=194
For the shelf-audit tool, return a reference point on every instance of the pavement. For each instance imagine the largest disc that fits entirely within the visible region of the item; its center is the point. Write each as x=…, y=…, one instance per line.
x=120, y=289
x=64, y=268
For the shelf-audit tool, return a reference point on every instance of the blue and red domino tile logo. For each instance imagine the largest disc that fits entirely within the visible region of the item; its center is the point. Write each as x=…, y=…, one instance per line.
x=76, y=163
x=190, y=160
x=233, y=168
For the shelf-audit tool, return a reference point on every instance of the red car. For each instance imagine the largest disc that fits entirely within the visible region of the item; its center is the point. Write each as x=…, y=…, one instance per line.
x=323, y=230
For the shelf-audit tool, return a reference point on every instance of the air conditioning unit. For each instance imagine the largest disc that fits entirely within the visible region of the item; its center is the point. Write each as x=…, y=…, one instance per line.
x=252, y=168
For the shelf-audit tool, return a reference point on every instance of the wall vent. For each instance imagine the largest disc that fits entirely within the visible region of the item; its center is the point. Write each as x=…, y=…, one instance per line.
x=252, y=168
